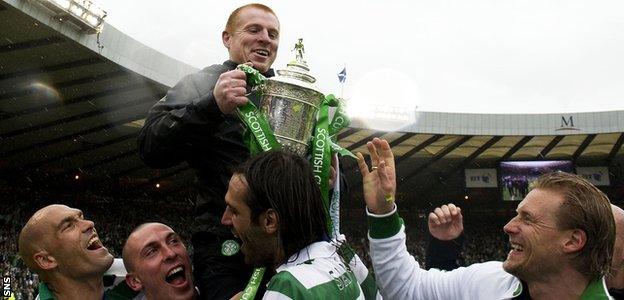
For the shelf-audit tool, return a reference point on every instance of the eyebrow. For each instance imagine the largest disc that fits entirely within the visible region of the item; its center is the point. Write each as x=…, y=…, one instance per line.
x=68, y=219
x=526, y=214
x=172, y=234
x=155, y=243
x=149, y=245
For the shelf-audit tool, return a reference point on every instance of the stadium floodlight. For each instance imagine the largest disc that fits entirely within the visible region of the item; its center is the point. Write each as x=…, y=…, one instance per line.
x=82, y=13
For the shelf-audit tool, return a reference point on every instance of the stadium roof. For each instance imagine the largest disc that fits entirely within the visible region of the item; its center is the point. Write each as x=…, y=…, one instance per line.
x=71, y=104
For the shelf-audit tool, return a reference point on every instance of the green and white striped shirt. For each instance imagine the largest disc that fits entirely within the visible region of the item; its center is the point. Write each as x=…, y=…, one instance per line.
x=316, y=272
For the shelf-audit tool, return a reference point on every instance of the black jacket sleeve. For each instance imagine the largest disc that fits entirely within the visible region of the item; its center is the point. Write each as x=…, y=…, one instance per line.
x=444, y=255
x=187, y=115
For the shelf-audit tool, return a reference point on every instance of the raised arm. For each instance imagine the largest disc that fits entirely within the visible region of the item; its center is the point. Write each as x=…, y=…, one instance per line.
x=398, y=274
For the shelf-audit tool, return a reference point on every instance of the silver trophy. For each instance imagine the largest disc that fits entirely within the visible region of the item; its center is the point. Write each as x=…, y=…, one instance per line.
x=291, y=101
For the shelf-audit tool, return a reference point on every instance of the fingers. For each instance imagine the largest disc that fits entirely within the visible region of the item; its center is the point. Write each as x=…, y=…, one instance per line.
x=385, y=153
x=440, y=214
x=446, y=213
x=433, y=218
x=230, y=90
x=362, y=164
x=372, y=150
x=459, y=216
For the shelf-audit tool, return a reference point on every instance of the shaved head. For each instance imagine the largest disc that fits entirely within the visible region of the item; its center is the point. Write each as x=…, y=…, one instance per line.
x=58, y=242
x=32, y=238
x=158, y=263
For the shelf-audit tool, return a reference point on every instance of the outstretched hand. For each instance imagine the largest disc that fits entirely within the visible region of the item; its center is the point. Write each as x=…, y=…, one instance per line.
x=446, y=222
x=379, y=182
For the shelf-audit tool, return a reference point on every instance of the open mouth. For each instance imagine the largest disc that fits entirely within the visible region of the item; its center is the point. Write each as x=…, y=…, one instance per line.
x=94, y=243
x=176, y=276
x=261, y=52
x=516, y=247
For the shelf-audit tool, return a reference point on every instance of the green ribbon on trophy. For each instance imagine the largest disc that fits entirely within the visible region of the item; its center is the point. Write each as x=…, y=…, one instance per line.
x=259, y=137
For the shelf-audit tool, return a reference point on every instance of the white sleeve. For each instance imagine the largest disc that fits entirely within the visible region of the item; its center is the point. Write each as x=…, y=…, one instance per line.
x=399, y=276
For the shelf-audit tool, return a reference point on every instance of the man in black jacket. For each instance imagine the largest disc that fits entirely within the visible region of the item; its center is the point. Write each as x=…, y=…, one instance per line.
x=195, y=122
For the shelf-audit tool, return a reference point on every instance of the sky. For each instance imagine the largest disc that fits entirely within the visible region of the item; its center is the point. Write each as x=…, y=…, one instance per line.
x=471, y=56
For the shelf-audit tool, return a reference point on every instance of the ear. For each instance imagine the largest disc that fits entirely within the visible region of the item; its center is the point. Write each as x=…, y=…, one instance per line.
x=44, y=260
x=134, y=282
x=575, y=242
x=271, y=221
x=225, y=37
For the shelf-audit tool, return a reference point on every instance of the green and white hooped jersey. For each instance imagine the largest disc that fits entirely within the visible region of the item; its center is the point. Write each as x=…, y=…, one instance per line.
x=318, y=272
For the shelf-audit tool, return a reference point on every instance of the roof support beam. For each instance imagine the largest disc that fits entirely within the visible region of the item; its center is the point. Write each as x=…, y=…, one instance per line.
x=615, y=149
x=83, y=98
x=550, y=146
x=32, y=44
x=516, y=147
x=62, y=66
x=365, y=140
x=583, y=146
x=468, y=159
x=67, y=83
x=416, y=149
x=437, y=157
x=70, y=136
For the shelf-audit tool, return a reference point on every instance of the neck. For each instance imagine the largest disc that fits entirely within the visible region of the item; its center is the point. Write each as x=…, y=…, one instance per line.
x=568, y=284
x=82, y=288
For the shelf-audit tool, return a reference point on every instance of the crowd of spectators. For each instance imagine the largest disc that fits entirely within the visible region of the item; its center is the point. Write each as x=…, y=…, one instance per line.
x=115, y=217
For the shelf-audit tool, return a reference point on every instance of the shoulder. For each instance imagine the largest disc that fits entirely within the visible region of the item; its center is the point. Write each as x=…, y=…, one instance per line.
x=285, y=284
x=196, y=85
x=316, y=279
x=492, y=279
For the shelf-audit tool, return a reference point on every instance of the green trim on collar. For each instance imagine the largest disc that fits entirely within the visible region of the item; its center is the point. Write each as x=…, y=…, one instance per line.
x=384, y=227
x=595, y=290
x=518, y=290
x=45, y=293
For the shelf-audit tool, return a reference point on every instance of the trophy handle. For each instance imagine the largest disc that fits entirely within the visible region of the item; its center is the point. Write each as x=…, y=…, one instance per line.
x=254, y=78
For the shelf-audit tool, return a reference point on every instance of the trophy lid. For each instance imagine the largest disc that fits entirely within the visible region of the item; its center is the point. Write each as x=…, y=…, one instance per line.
x=297, y=71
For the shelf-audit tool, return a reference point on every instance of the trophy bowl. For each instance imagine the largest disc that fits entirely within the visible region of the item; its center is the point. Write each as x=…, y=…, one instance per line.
x=291, y=102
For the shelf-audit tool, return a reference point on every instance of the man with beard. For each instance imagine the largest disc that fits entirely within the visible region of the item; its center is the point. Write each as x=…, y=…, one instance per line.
x=158, y=264
x=195, y=122
x=274, y=205
x=561, y=243
x=64, y=249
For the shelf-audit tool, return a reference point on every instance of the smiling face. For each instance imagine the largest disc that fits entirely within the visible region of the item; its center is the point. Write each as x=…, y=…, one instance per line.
x=60, y=240
x=258, y=246
x=535, y=239
x=158, y=263
x=254, y=38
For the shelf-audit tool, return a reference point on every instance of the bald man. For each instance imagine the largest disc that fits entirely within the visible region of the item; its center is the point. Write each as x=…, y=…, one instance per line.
x=64, y=249
x=158, y=264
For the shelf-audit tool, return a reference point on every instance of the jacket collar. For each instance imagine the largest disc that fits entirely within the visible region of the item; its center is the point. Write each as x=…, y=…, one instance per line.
x=232, y=65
